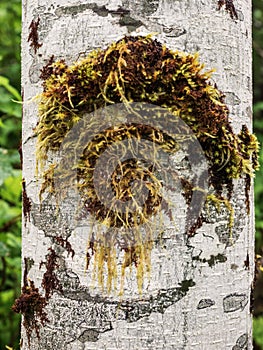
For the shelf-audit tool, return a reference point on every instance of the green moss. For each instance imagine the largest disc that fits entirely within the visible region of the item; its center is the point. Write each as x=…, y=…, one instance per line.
x=220, y=201
x=139, y=69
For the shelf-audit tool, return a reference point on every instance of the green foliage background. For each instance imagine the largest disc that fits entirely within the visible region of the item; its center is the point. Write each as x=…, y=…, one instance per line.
x=10, y=173
x=258, y=128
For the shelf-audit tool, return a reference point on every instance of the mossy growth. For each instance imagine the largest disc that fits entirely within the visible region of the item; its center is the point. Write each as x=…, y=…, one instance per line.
x=138, y=69
x=31, y=304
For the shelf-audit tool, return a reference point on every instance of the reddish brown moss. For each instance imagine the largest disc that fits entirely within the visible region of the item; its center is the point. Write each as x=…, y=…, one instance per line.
x=47, y=70
x=90, y=250
x=33, y=35
x=64, y=243
x=31, y=305
x=50, y=282
x=229, y=6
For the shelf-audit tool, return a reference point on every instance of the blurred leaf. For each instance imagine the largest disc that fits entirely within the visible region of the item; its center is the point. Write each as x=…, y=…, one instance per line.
x=6, y=296
x=11, y=188
x=13, y=241
x=258, y=106
x=8, y=106
x=10, y=132
x=7, y=212
x=13, y=91
x=258, y=330
x=3, y=249
x=7, y=160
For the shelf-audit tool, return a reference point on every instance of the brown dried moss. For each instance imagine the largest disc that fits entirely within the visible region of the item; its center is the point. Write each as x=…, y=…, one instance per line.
x=50, y=282
x=31, y=305
x=229, y=7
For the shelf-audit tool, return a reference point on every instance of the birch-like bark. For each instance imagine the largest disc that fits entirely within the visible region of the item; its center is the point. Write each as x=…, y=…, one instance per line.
x=202, y=288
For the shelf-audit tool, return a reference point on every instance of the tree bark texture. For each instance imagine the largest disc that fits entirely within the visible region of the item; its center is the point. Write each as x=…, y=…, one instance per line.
x=198, y=296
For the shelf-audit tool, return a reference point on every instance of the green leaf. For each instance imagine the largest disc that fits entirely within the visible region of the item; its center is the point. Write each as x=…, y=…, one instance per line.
x=13, y=241
x=257, y=330
x=11, y=188
x=7, y=160
x=4, y=251
x=13, y=91
x=8, y=213
x=10, y=132
x=7, y=105
x=7, y=296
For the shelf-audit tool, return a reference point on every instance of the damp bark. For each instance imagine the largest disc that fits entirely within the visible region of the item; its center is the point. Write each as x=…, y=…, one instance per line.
x=192, y=280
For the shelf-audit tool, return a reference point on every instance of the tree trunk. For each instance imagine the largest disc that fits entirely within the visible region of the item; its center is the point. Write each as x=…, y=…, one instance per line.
x=196, y=294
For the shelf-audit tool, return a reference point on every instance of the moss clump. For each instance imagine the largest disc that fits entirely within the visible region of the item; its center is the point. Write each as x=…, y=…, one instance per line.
x=142, y=69
x=139, y=69
x=31, y=304
x=50, y=282
x=122, y=178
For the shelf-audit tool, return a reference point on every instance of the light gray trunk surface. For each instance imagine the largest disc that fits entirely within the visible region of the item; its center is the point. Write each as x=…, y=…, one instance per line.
x=198, y=294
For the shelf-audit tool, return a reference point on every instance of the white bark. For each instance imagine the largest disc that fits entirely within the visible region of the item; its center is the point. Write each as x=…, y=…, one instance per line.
x=212, y=310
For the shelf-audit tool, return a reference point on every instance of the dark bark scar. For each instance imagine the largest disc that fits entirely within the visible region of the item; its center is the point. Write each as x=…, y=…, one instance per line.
x=229, y=7
x=26, y=202
x=246, y=262
x=33, y=35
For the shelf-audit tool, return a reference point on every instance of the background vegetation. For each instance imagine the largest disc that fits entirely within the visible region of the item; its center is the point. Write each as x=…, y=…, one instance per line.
x=258, y=128
x=10, y=173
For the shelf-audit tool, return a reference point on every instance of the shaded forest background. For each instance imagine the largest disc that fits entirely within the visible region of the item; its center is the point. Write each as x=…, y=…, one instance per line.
x=10, y=172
